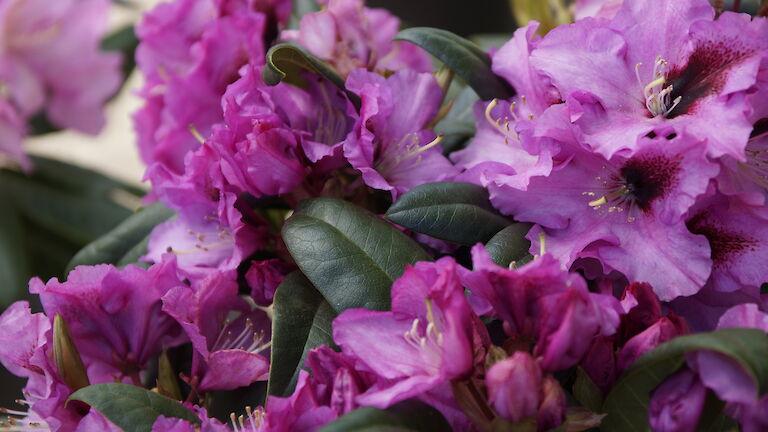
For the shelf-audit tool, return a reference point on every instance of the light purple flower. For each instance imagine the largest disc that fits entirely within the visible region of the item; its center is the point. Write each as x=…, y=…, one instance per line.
x=676, y=405
x=114, y=315
x=596, y=8
x=738, y=238
x=230, y=350
x=626, y=212
x=390, y=144
x=51, y=62
x=657, y=63
x=430, y=337
x=348, y=35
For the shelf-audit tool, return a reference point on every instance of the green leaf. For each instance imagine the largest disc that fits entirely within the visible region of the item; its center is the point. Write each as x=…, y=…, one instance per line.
x=350, y=255
x=627, y=403
x=14, y=262
x=74, y=217
x=124, y=41
x=458, y=126
x=301, y=321
x=586, y=392
x=113, y=246
x=464, y=57
x=456, y=212
x=132, y=408
x=408, y=416
x=285, y=61
x=510, y=245
x=81, y=181
x=301, y=8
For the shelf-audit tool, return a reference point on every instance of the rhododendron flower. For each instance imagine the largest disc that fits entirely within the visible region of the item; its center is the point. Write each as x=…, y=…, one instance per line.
x=627, y=212
x=514, y=386
x=348, y=36
x=676, y=405
x=190, y=44
x=50, y=61
x=540, y=301
x=114, y=315
x=430, y=337
x=390, y=144
x=596, y=8
x=230, y=351
x=657, y=63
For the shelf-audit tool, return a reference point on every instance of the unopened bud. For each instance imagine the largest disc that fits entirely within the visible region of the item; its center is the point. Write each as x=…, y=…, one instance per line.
x=66, y=356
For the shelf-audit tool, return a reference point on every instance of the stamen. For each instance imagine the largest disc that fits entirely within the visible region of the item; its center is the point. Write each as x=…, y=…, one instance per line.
x=542, y=244
x=658, y=99
x=196, y=133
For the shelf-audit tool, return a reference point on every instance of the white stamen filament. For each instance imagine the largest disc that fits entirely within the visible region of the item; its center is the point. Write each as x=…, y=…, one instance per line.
x=658, y=99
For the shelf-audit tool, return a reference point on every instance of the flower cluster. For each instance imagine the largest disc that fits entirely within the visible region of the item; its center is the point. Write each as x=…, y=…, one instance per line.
x=635, y=148
x=50, y=64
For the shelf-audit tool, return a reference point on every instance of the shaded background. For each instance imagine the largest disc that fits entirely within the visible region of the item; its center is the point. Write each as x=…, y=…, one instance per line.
x=113, y=152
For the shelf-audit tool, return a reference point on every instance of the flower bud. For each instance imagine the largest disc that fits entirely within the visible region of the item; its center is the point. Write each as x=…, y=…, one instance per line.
x=514, y=386
x=553, y=405
x=66, y=356
x=662, y=331
x=677, y=403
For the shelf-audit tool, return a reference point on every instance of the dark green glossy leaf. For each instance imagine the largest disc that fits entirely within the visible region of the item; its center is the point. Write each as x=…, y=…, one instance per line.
x=464, y=57
x=131, y=408
x=458, y=126
x=407, y=416
x=14, y=262
x=627, y=403
x=285, y=61
x=301, y=322
x=510, y=245
x=456, y=212
x=114, y=245
x=81, y=181
x=350, y=255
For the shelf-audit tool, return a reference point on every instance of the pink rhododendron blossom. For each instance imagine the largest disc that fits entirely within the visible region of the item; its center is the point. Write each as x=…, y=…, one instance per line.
x=391, y=145
x=230, y=351
x=430, y=337
x=348, y=35
x=50, y=62
x=514, y=386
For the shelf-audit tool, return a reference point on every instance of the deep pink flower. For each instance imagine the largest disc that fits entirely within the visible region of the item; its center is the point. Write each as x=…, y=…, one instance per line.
x=390, y=144
x=190, y=44
x=430, y=337
x=264, y=277
x=230, y=350
x=114, y=314
x=664, y=329
x=348, y=35
x=515, y=386
x=676, y=405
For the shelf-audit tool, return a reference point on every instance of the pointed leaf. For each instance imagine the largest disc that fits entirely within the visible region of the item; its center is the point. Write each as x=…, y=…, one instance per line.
x=407, y=416
x=132, y=408
x=510, y=245
x=350, y=255
x=115, y=244
x=627, y=403
x=456, y=212
x=285, y=61
x=301, y=322
x=463, y=57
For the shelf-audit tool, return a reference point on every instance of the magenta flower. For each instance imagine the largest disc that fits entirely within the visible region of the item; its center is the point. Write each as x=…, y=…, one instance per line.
x=390, y=144
x=429, y=338
x=626, y=212
x=114, y=315
x=661, y=331
x=657, y=63
x=264, y=277
x=348, y=36
x=514, y=386
x=540, y=301
x=190, y=44
x=230, y=350
x=676, y=405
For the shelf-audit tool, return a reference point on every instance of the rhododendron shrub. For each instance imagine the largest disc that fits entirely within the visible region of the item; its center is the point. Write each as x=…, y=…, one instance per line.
x=344, y=255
